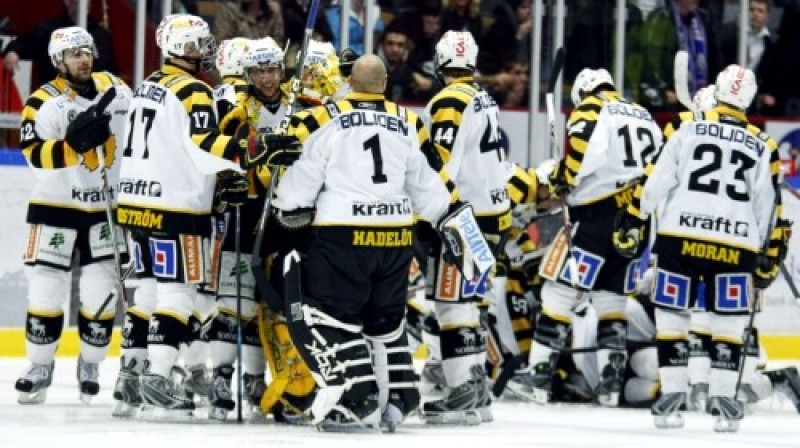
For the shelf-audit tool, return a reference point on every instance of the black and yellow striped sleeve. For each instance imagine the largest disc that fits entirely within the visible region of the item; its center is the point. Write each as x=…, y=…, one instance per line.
x=777, y=234
x=674, y=124
x=522, y=186
x=45, y=153
x=580, y=126
x=198, y=102
x=431, y=154
x=446, y=111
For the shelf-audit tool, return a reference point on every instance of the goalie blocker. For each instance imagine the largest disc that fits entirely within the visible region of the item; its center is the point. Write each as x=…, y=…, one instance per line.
x=465, y=245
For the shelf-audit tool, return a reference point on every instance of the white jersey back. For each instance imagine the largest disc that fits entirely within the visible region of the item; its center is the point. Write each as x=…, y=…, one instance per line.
x=717, y=182
x=362, y=165
x=611, y=140
x=173, y=154
x=464, y=124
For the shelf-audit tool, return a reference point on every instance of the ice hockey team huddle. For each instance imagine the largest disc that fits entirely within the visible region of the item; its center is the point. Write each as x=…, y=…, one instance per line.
x=286, y=241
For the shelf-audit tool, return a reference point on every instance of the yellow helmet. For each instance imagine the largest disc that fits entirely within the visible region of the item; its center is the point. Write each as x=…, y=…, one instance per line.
x=321, y=76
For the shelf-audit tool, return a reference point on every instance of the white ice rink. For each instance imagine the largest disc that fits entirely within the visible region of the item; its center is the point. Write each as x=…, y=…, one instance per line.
x=63, y=422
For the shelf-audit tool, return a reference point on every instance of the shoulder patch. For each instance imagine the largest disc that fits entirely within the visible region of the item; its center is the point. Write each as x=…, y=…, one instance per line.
x=51, y=89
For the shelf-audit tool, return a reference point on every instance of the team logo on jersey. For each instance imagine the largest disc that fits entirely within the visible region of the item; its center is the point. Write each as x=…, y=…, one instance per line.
x=588, y=266
x=71, y=115
x=476, y=288
x=57, y=240
x=633, y=273
x=732, y=292
x=164, y=258
x=672, y=290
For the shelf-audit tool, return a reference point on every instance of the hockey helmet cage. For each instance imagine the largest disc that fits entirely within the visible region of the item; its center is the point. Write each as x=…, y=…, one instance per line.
x=68, y=38
x=230, y=56
x=321, y=77
x=736, y=86
x=456, y=50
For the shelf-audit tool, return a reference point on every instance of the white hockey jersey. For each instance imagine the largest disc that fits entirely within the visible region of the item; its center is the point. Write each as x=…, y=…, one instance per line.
x=172, y=155
x=718, y=175
x=611, y=141
x=363, y=165
x=464, y=124
x=69, y=186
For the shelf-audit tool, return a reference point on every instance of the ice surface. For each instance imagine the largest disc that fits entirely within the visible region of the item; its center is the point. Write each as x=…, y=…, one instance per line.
x=63, y=422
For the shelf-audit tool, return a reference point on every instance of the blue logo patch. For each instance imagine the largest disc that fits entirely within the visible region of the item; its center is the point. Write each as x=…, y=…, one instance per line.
x=588, y=266
x=164, y=258
x=672, y=290
x=732, y=292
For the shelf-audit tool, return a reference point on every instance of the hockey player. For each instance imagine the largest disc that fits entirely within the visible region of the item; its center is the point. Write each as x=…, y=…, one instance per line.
x=71, y=144
x=249, y=98
x=718, y=175
x=611, y=139
x=463, y=122
x=360, y=249
x=172, y=156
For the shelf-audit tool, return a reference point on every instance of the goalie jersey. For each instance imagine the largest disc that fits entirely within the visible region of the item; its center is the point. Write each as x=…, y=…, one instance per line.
x=721, y=175
x=365, y=162
x=172, y=155
x=611, y=141
x=464, y=123
x=69, y=188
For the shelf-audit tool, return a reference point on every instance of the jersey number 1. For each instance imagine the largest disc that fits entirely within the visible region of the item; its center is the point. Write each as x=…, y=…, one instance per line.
x=148, y=116
x=374, y=145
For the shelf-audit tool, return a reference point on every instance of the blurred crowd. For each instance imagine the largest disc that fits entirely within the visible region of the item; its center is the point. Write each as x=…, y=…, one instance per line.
x=405, y=32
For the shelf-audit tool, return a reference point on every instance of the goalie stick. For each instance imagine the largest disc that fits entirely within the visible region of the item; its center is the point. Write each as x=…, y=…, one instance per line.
x=680, y=72
x=257, y=261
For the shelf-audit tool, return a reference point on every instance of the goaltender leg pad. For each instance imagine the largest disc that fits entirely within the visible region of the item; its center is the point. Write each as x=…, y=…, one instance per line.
x=394, y=370
x=467, y=245
x=289, y=372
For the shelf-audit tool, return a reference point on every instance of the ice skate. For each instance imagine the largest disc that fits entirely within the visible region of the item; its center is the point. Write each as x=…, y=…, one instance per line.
x=461, y=404
x=667, y=410
x=727, y=413
x=698, y=397
x=32, y=385
x=88, y=384
x=162, y=393
x=220, y=397
x=127, y=392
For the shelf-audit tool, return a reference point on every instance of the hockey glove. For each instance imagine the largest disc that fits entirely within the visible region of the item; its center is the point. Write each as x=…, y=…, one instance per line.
x=88, y=129
x=270, y=149
x=768, y=264
x=296, y=219
x=559, y=185
x=231, y=191
x=628, y=233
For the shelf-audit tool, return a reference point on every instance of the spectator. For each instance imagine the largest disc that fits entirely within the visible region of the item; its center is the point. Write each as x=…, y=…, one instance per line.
x=404, y=83
x=295, y=13
x=33, y=45
x=252, y=19
x=784, y=78
x=760, y=54
x=680, y=25
x=508, y=38
x=463, y=15
x=424, y=29
x=517, y=93
x=356, y=25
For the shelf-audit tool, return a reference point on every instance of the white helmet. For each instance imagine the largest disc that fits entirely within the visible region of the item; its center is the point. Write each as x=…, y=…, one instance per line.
x=186, y=36
x=736, y=86
x=162, y=26
x=587, y=80
x=262, y=52
x=456, y=49
x=67, y=38
x=230, y=56
x=704, y=99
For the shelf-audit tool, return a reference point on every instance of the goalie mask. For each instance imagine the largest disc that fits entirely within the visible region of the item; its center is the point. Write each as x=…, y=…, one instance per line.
x=186, y=37
x=736, y=86
x=230, y=56
x=321, y=77
x=456, y=50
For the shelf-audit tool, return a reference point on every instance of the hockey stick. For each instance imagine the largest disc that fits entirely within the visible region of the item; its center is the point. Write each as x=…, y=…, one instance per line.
x=555, y=148
x=788, y=187
x=680, y=73
x=239, y=332
x=758, y=298
x=102, y=104
x=257, y=261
